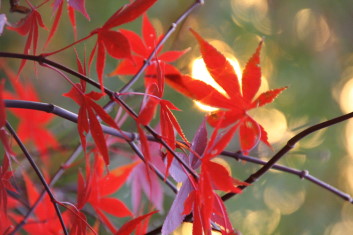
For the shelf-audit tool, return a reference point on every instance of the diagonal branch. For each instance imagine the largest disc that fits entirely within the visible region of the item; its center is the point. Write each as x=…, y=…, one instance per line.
x=290, y=144
x=40, y=176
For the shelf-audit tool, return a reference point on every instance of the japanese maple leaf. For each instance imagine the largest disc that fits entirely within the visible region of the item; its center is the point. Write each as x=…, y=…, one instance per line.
x=29, y=25
x=115, y=42
x=168, y=122
x=45, y=219
x=237, y=100
x=32, y=124
x=72, y=5
x=199, y=196
x=87, y=118
x=143, y=47
x=143, y=182
x=133, y=224
x=98, y=187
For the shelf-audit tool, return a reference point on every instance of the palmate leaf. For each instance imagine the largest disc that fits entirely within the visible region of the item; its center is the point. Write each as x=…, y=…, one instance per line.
x=87, y=118
x=131, y=225
x=98, y=187
x=29, y=25
x=142, y=48
x=32, y=124
x=114, y=42
x=199, y=197
x=233, y=105
x=72, y=5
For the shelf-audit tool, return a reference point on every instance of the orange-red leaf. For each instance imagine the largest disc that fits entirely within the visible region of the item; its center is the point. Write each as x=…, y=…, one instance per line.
x=220, y=69
x=251, y=78
x=267, y=97
x=114, y=207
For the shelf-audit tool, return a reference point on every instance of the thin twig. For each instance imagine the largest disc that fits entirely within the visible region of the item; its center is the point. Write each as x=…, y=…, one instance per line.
x=165, y=37
x=290, y=144
x=40, y=176
x=302, y=174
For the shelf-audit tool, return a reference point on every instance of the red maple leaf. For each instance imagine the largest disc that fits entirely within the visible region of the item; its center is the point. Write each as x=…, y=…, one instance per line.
x=168, y=122
x=199, y=196
x=98, y=187
x=32, y=124
x=87, y=118
x=44, y=219
x=237, y=101
x=133, y=224
x=143, y=47
x=72, y=5
x=115, y=42
x=29, y=25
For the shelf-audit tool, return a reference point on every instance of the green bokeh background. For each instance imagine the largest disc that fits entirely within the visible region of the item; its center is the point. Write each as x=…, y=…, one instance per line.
x=307, y=47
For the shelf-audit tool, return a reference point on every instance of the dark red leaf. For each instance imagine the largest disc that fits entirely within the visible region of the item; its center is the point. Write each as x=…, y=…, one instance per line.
x=115, y=43
x=128, y=13
x=220, y=177
x=131, y=225
x=29, y=25
x=97, y=135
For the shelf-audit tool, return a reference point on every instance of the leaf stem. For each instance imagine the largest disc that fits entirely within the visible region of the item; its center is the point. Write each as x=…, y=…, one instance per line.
x=72, y=44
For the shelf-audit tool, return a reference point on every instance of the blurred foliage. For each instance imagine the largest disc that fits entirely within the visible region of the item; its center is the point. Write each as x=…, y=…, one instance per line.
x=308, y=47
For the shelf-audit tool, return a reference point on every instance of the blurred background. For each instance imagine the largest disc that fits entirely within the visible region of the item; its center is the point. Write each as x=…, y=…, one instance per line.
x=307, y=47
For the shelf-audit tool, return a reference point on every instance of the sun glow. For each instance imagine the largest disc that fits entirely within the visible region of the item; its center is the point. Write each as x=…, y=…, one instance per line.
x=200, y=72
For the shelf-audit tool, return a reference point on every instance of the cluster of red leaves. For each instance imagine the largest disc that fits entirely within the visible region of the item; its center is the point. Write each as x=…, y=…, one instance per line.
x=154, y=82
x=97, y=189
x=237, y=100
x=29, y=25
x=32, y=124
x=5, y=202
x=72, y=5
x=196, y=195
x=199, y=196
x=142, y=48
x=87, y=118
x=115, y=42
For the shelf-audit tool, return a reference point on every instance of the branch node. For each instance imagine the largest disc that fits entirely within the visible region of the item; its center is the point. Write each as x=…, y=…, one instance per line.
x=41, y=59
x=304, y=174
x=133, y=137
x=147, y=62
